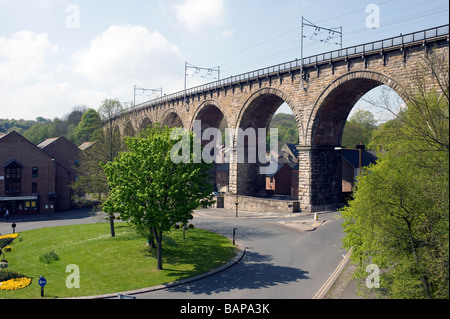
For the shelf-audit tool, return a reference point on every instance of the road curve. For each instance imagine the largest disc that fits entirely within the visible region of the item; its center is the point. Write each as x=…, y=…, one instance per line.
x=280, y=262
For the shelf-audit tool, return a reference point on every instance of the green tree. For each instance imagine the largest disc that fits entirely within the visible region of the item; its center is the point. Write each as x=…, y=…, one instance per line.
x=90, y=126
x=287, y=129
x=150, y=190
x=399, y=217
x=359, y=129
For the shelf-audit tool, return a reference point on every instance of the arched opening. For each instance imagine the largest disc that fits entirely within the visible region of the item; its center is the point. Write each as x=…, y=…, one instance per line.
x=146, y=122
x=332, y=167
x=172, y=120
x=129, y=130
x=332, y=115
x=255, y=176
x=210, y=116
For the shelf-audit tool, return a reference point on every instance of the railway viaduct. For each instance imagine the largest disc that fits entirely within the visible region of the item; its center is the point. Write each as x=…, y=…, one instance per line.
x=321, y=92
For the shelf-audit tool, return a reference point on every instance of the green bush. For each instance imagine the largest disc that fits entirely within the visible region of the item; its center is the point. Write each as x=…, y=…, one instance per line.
x=9, y=274
x=48, y=257
x=5, y=242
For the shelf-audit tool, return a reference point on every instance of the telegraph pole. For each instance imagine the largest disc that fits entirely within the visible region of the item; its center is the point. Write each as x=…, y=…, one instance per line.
x=188, y=66
x=136, y=88
x=317, y=31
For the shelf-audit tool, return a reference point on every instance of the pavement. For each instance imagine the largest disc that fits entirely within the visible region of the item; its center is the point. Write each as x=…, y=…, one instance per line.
x=340, y=287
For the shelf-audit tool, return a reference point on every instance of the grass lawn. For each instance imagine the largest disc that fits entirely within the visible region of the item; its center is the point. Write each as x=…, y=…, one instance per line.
x=110, y=264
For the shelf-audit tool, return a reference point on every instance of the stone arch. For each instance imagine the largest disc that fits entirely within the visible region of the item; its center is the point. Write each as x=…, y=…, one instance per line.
x=274, y=98
x=129, y=130
x=210, y=112
x=211, y=115
x=320, y=164
x=326, y=123
x=171, y=119
x=257, y=112
x=146, y=122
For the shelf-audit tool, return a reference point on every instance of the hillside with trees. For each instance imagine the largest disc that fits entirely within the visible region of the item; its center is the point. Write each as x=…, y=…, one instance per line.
x=359, y=128
x=77, y=126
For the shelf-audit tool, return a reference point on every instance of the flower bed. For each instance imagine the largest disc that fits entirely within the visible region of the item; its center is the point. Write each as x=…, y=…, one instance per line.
x=10, y=280
x=15, y=283
x=5, y=240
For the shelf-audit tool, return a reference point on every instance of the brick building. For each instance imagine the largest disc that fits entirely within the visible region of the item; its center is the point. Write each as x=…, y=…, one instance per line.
x=66, y=156
x=35, y=179
x=350, y=166
x=279, y=183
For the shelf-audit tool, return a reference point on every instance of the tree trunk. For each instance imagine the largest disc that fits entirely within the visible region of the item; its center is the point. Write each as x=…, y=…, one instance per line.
x=111, y=225
x=151, y=240
x=158, y=237
x=426, y=288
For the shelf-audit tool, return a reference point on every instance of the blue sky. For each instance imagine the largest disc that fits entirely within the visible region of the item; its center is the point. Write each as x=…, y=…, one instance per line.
x=56, y=54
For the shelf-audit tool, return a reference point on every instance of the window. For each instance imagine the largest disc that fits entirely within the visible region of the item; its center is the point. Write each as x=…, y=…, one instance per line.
x=34, y=173
x=13, y=178
x=34, y=188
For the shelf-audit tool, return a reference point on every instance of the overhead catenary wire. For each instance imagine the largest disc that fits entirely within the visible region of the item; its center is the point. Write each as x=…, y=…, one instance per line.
x=285, y=45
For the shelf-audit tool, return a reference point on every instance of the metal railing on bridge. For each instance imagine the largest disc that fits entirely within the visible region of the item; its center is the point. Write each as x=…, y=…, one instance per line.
x=360, y=49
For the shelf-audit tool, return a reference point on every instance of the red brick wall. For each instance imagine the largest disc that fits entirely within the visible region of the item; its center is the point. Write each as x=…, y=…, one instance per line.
x=65, y=153
x=15, y=147
x=347, y=176
x=294, y=183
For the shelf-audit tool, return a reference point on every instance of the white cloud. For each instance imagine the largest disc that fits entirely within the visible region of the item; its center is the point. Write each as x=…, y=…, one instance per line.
x=125, y=54
x=196, y=15
x=24, y=58
x=36, y=79
x=48, y=100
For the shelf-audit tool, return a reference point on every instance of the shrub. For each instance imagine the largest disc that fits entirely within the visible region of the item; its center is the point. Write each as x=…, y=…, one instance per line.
x=5, y=242
x=9, y=274
x=48, y=257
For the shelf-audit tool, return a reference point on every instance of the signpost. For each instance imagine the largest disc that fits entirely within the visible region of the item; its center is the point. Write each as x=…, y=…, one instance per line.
x=42, y=282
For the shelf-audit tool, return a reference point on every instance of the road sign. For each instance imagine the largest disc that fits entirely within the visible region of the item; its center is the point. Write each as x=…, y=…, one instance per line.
x=42, y=281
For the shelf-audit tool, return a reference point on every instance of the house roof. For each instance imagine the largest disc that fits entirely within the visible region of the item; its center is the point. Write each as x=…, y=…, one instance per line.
x=280, y=166
x=50, y=141
x=14, y=135
x=86, y=145
x=293, y=149
x=17, y=163
x=352, y=156
x=225, y=167
x=47, y=142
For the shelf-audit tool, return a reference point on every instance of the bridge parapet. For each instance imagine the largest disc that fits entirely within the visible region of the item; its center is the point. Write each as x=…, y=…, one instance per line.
x=356, y=51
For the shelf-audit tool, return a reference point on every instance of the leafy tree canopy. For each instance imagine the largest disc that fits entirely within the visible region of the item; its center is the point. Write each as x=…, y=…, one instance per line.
x=399, y=217
x=149, y=190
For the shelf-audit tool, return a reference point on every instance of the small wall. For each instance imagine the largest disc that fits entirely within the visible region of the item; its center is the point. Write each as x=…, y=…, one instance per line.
x=261, y=205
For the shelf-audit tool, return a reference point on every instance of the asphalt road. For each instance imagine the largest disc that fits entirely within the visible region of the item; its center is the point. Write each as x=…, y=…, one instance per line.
x=280, y=262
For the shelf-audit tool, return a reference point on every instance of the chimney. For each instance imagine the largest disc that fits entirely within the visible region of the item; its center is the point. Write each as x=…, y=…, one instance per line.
x=361, y=147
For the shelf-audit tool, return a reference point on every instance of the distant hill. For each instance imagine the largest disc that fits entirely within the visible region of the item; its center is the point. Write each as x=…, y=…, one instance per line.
x=358, y=129
x=36, y=131
x=287, y=128
x=19, y=126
